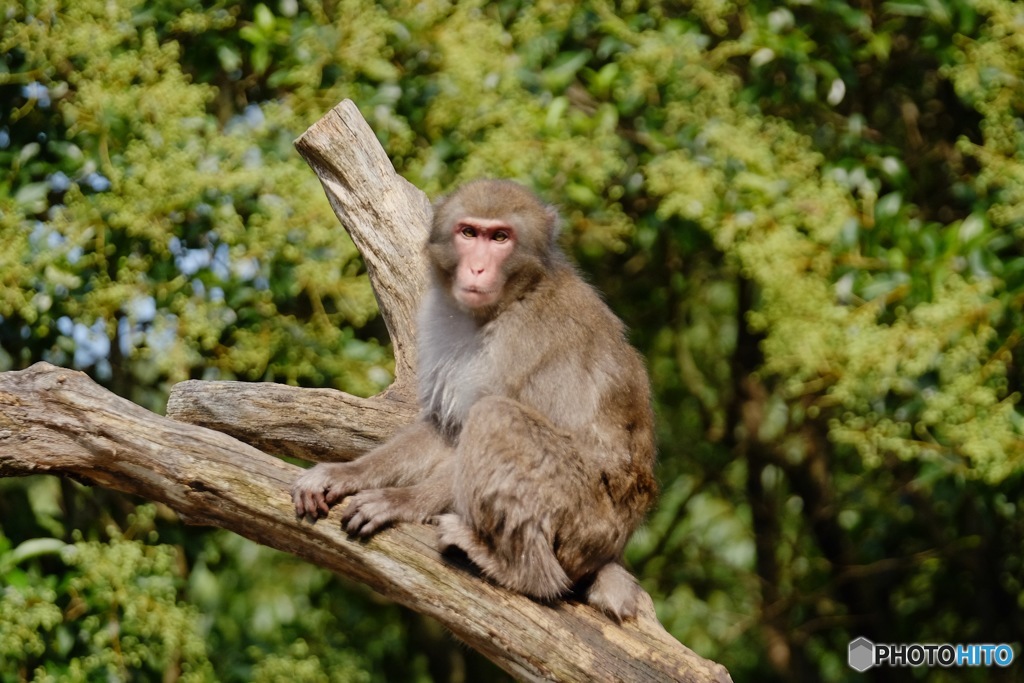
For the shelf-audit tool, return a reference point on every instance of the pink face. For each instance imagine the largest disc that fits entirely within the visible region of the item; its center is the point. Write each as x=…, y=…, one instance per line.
x=482, y=245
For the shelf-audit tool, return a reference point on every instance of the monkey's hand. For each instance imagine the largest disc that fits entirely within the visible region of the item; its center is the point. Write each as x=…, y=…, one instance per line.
x=320, y=487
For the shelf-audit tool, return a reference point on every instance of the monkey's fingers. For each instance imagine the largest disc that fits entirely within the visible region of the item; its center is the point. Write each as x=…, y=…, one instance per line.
x=310, y=502
x=300, y=506
x=322, y=506
x=333, y=494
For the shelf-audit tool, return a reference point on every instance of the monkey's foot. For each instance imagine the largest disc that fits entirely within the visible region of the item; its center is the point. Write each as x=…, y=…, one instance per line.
x=452, y=532
x=615, y=592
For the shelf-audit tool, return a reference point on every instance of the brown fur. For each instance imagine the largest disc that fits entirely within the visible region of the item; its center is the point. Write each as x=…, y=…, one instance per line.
x=535, y=450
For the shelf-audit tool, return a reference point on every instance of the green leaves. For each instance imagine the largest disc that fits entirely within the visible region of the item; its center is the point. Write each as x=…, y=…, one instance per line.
x=116, y=611
x=261, y=282
x=264, y=33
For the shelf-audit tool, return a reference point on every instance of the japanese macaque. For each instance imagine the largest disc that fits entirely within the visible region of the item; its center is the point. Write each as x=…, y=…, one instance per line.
x=534, y=453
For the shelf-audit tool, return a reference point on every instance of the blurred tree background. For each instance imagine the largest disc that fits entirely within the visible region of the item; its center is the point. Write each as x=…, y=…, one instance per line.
x=810, y=213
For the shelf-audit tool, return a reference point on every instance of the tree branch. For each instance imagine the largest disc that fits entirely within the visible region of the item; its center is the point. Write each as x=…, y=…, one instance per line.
x=388, y=219
x=57, y=421
x=386, y=216
x=312, y=424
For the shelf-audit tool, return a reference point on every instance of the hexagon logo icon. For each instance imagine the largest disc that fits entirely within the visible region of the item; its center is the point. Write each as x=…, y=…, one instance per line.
x=862, y=655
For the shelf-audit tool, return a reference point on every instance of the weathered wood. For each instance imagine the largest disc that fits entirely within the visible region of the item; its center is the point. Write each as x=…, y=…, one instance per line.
x=313, y=424
x=57, y=421
x=387, y=217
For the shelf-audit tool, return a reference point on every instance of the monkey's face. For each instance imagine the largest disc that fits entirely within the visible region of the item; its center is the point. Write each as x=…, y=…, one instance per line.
x=489, y=241
x=482, y=247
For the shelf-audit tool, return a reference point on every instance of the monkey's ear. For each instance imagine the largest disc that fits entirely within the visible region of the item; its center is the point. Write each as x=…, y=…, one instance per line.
x=438, y=203
x=553, y=219
x=442, y=213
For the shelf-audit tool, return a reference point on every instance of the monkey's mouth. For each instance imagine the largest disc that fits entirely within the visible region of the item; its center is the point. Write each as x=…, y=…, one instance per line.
x=474, y=297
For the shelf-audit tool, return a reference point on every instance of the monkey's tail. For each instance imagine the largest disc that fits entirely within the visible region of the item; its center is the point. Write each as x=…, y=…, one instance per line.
x=537, y=572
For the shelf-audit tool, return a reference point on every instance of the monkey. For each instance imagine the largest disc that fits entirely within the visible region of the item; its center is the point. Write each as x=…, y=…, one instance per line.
x=534, y=451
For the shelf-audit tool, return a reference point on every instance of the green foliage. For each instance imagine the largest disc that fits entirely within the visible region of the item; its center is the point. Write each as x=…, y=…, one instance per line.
x=119, y=612
x=148, y=243
x=267, y=613
x=810, y=214
x=115, y=613
x=297, y=664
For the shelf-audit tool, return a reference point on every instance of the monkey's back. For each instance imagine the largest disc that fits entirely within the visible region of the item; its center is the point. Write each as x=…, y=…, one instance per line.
x=571, y=361
x=572, y=364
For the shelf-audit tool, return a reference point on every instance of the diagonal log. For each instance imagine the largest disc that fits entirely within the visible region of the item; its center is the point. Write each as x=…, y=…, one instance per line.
x=57, y=421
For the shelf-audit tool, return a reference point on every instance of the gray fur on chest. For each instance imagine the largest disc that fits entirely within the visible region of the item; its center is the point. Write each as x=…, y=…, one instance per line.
x=453, y=363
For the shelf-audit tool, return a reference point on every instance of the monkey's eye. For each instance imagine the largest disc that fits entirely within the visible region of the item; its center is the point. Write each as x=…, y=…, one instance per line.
x=467, y=231
x=500, y=236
